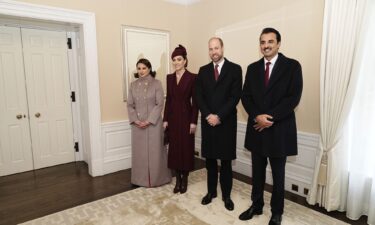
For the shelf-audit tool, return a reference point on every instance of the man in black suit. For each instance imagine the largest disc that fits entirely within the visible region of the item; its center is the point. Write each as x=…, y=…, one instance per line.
x=272, y=90
x=218, y=91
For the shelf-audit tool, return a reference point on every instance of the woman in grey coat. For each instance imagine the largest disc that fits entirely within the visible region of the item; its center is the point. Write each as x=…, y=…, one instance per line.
x=145, y=103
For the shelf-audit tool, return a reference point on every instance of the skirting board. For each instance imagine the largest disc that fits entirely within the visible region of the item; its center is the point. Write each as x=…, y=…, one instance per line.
x=116, y=154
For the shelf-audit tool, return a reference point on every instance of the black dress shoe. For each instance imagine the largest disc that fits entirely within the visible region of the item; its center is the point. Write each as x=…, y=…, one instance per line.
x=248, y=214
x=228, y=203
x=134, y=186
x=208, y=198
x=275, y=219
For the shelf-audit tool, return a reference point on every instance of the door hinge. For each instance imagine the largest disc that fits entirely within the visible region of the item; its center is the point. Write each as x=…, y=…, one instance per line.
x=69, y=43
x=76, y=146
x=73, y=96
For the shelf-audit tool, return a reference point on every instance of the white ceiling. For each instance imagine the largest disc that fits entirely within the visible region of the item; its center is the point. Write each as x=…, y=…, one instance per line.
x=183, y=2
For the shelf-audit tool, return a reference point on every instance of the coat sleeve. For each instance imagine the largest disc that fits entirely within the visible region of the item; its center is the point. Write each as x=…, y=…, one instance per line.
x=199, y=94
x=247, y=98
x=155, y=113
x=292, y=98
x=131, y=106
x=234, y=96
x=167, y=102
x=194, y=113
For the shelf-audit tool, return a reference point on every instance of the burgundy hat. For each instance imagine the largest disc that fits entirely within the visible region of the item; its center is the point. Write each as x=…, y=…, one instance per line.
x=180, y=50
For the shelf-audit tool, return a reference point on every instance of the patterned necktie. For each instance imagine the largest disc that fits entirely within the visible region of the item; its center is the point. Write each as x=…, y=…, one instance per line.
x=267, y=74
x=216, y=72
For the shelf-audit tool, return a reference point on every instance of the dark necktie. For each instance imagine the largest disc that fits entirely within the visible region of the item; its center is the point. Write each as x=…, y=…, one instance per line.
x=267, y=74
x=216, y=72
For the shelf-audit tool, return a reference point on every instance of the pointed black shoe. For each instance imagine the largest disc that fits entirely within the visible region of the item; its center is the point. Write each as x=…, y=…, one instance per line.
x=275, y=219
x=248, y=214
x=208, y=198
x=228, y=203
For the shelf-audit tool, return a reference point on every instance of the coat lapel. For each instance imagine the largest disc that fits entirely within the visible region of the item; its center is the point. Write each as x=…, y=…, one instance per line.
x=276, y=72
x=259, y=73
x=211, y=73
x=224, y=70
x=181, y=86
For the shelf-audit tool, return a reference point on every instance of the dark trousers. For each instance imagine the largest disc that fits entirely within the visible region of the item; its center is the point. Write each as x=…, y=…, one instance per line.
x=259, y=164
x=226, y=177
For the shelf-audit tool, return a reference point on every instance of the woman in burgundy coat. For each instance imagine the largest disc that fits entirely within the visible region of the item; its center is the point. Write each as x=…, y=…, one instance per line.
x=180, y=117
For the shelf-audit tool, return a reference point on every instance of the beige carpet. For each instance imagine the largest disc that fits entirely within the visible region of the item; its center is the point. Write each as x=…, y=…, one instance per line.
x=160, y=206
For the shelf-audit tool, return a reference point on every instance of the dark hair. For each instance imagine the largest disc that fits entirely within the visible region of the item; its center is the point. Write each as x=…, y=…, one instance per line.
x=268, y=30
x=180, y=50
x=187, y=61
x=147, y=63
x=219, y=39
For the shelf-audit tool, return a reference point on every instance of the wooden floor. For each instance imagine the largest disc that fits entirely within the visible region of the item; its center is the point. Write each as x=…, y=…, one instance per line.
x=33, y=194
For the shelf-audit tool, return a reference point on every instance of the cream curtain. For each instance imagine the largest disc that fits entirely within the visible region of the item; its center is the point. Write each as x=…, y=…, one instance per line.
x=360, y=130
x=343, y=21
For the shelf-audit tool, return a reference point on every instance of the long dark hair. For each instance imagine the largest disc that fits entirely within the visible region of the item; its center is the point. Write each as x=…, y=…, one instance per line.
x=147, y=63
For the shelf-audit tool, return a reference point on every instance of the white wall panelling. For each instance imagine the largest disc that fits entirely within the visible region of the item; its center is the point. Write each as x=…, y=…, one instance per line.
x=299, y=169
x=116, y=140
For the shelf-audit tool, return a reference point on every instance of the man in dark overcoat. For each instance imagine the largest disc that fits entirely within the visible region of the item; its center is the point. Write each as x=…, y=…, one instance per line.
x=272, y=90
x=218, y=91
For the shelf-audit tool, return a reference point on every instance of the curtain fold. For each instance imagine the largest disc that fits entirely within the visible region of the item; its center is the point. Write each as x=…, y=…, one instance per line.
x=360, y=131
x=341, y=29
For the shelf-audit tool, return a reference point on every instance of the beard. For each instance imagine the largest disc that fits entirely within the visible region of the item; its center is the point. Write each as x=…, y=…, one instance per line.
x=216, y=57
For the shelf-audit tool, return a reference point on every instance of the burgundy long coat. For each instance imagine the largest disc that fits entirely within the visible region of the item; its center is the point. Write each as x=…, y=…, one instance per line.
x=180, y=111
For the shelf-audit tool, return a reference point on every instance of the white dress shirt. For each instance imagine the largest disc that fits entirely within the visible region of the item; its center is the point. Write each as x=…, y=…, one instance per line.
x=220, y=65
x=272, y=61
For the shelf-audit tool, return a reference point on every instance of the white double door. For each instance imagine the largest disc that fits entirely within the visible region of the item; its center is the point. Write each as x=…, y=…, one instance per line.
x=36, y=127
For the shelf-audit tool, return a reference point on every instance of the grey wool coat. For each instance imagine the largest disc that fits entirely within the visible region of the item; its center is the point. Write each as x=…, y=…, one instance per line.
x=149, y=156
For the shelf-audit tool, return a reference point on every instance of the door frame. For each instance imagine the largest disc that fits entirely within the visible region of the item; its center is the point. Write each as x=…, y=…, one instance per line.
x=89, y=76
x=74, y=75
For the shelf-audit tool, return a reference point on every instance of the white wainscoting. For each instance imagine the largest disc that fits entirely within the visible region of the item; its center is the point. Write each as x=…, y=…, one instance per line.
x=299, y=169
x=116, y=139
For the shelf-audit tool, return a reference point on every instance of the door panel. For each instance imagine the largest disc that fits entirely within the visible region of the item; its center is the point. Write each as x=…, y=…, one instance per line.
x=15, y=143
x=48, y=89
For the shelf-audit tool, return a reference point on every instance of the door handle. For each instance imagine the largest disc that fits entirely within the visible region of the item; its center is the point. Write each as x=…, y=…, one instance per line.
x=19, y=116
x=37, y=115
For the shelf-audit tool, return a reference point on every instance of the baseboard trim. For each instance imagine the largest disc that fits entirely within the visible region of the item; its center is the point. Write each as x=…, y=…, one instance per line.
x=116, y=154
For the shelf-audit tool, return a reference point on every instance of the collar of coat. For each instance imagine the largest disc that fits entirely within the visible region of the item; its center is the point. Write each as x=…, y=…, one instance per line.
x=223, y=72
x=277, y=70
